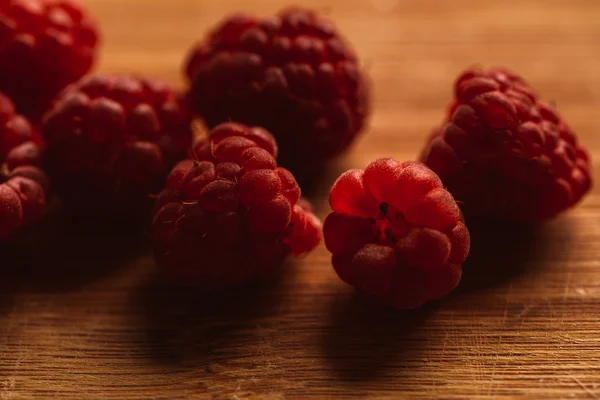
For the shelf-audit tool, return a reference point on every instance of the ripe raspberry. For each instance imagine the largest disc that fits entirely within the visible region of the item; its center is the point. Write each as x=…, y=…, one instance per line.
x=112, y=141
x=292, y=74
x=230, y=215
x=23, y=185
x=44, y=46
x=395, y=233
x=504, y=153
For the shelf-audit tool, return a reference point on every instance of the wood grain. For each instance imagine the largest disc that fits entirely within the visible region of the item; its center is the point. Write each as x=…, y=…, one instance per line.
x=83, y=314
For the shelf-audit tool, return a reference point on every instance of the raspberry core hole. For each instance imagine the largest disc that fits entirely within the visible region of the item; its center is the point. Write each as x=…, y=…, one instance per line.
x=389, y=225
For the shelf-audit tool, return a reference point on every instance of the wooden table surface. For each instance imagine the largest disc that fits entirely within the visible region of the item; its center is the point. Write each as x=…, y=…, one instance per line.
x=84, y=315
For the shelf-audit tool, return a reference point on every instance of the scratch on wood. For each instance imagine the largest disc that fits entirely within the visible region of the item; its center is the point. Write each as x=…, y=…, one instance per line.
x=526, y=310
x=9, y=386
x=585, y=388
x=567, y=285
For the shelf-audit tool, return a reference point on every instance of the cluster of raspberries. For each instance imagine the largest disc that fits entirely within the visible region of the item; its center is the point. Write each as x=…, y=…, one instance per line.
x=112, y=141
x=504, y=153
x=229, y=208
x=292, y=74
x=44, y=46
x=231, y=195
x=24, y=187
x=395, y=233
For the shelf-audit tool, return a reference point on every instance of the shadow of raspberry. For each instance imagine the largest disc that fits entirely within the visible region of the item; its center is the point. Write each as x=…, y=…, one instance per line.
x=60, y=253
x=502, y=251
x=310, y=184
x=317, y=189
x=362, y=341
x=191, y=329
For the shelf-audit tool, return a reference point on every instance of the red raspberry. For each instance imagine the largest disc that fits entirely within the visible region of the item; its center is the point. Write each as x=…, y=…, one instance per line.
x=395, y=233
x=230, y=215
x=44, y=46
x=292, y=74
x=23, y=185
x=504, y=153
x=112, y=141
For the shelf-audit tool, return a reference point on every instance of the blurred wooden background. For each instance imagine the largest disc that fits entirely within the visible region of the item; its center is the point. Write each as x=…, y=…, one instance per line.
x=83, y=315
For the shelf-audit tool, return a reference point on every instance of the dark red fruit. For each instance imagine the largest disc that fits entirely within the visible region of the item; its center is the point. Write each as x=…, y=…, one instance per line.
x=292, y=74
x=230, y=215
x=395, y=233
x=44, y=46
x=504, y=153
x=111, y=143
x=24, y=187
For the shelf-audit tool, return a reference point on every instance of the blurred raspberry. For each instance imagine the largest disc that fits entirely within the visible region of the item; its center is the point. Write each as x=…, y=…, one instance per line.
x=23, y=185
x=111, y=143
x=395, y=233
x=504, y=153
x=44, y=46
x=230, y=215
x=292, y=74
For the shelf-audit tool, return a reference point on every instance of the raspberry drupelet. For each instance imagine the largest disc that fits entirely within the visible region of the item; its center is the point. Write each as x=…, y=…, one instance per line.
x=24, y=187
x=395, y=233
x=504, y=153
x=111, y=143
x=230, y=215
x=44, y=46
x=292, y=74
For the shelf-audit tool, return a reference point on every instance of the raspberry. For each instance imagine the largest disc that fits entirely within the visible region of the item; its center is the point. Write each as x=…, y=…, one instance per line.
x=44, y=46
x=112, y=141
x=292, y=74
x=23, y=185
x=395, y=233
x=503, y=153
x=230, y=215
